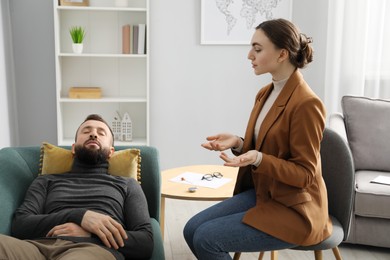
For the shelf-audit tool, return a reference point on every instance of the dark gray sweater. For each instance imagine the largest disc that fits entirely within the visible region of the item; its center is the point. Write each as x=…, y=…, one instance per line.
x=56, y=199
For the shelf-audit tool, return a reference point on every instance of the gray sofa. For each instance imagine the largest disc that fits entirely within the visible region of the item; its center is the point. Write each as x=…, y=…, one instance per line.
x=365, y=126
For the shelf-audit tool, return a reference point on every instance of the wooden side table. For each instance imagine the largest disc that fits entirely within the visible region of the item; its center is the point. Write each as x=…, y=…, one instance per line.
x=175, y=190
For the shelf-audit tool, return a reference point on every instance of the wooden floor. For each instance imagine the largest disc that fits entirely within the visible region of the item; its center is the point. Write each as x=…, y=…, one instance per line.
x=179, y=211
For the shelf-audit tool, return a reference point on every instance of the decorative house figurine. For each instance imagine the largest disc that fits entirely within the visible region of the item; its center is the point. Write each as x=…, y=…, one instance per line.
x=127, y=128
x=117, y=129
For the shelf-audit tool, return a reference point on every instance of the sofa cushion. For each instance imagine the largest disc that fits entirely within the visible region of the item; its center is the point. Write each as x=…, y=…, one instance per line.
x=371, y=198
x=367, y=122
x=125, y=163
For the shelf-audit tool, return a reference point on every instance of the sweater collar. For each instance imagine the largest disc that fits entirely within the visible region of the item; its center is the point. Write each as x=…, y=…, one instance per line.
x=278, y=85
x=79, y=166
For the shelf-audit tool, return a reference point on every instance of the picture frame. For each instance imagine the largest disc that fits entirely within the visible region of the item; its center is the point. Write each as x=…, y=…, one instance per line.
x=233, y=22
x=74, y=2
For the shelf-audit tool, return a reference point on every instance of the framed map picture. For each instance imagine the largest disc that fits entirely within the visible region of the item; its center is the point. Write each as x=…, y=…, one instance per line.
x=234, y=21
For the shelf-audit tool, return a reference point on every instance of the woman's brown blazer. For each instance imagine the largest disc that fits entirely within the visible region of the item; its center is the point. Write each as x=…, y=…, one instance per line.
x=291, y=194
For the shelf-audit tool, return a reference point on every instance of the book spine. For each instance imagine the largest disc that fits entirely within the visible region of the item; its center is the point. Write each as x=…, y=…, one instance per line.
x=141, y=38
x=130, y=38
x=135, y=39
x=126, y=39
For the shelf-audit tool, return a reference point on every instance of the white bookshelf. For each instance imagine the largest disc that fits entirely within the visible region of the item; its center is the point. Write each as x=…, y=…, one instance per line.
x=123, y=78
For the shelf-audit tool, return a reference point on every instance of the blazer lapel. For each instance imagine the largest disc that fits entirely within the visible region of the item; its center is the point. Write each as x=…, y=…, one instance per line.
x=277, y=108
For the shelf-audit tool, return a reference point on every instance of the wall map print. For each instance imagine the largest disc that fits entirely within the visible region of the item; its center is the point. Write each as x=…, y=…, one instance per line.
x=233, y=21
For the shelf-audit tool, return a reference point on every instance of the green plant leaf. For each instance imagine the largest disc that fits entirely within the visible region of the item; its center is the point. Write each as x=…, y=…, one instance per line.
x=77, y=34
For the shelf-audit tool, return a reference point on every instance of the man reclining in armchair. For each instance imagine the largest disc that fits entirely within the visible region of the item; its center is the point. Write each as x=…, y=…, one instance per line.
x=85, y=213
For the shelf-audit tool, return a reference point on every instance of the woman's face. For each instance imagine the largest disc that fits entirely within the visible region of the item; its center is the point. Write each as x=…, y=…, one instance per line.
x=264, y=54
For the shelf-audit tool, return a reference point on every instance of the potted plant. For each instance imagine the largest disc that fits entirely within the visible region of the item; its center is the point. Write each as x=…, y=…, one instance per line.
x=77, y=33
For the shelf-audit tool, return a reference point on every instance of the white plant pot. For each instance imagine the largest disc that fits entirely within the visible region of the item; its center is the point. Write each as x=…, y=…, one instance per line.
x=77, y=48
x=121, y=3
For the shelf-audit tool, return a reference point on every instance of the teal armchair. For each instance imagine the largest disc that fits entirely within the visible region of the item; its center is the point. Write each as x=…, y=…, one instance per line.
x=19, y=166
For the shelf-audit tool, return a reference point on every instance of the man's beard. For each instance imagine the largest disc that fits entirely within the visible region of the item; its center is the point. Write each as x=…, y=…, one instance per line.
x=91, y=156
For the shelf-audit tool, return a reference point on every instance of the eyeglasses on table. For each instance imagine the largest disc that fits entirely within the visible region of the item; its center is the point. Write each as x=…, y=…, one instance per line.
x=210, y=176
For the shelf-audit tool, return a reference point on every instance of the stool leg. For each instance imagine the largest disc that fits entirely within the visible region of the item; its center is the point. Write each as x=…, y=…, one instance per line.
x=236, y=256
x=261, y=256
x=337, y=253
x=274, y=255
x=162, y=216
x=318, y=254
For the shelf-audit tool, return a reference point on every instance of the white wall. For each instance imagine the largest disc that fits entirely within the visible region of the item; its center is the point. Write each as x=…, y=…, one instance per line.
x=196, y=90
x=5, y=138
x=8, y=135
x=312, y=18
x=199, y=90
x=34, y=72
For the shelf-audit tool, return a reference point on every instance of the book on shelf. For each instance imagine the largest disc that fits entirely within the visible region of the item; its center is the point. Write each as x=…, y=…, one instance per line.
x=141, y=38
x=126, y=29
x=146, y=39
x=85, y=92
x=134, y=39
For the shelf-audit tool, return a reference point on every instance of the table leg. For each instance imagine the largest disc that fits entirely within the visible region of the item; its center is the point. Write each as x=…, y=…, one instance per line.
x=162, y=216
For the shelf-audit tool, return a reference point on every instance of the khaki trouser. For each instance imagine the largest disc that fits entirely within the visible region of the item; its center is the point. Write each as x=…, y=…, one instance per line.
x=16, y=249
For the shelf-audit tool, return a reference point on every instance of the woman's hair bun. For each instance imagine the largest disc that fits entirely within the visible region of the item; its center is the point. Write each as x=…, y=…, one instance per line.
x=305, y=52
x=285, y=35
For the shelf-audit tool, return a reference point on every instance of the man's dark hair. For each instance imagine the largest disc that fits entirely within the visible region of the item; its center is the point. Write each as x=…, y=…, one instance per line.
x=96, y=117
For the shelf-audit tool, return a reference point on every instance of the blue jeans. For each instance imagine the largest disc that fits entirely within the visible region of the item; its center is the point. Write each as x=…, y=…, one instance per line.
x=218, y=230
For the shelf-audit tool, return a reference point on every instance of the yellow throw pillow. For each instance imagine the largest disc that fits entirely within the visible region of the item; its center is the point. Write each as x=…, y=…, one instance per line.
x=125, y=163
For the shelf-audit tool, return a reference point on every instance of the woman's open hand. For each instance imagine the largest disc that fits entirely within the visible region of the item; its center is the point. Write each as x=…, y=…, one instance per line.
x=221, y=142
x=240, y=161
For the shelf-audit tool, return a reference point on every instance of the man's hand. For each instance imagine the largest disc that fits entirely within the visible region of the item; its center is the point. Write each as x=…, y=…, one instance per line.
x=221, y=142
x=110, y=232
x=240, y=161
x=68, y=229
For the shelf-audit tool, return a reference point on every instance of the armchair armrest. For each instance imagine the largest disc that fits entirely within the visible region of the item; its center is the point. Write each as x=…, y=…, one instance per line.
x=336, y=123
